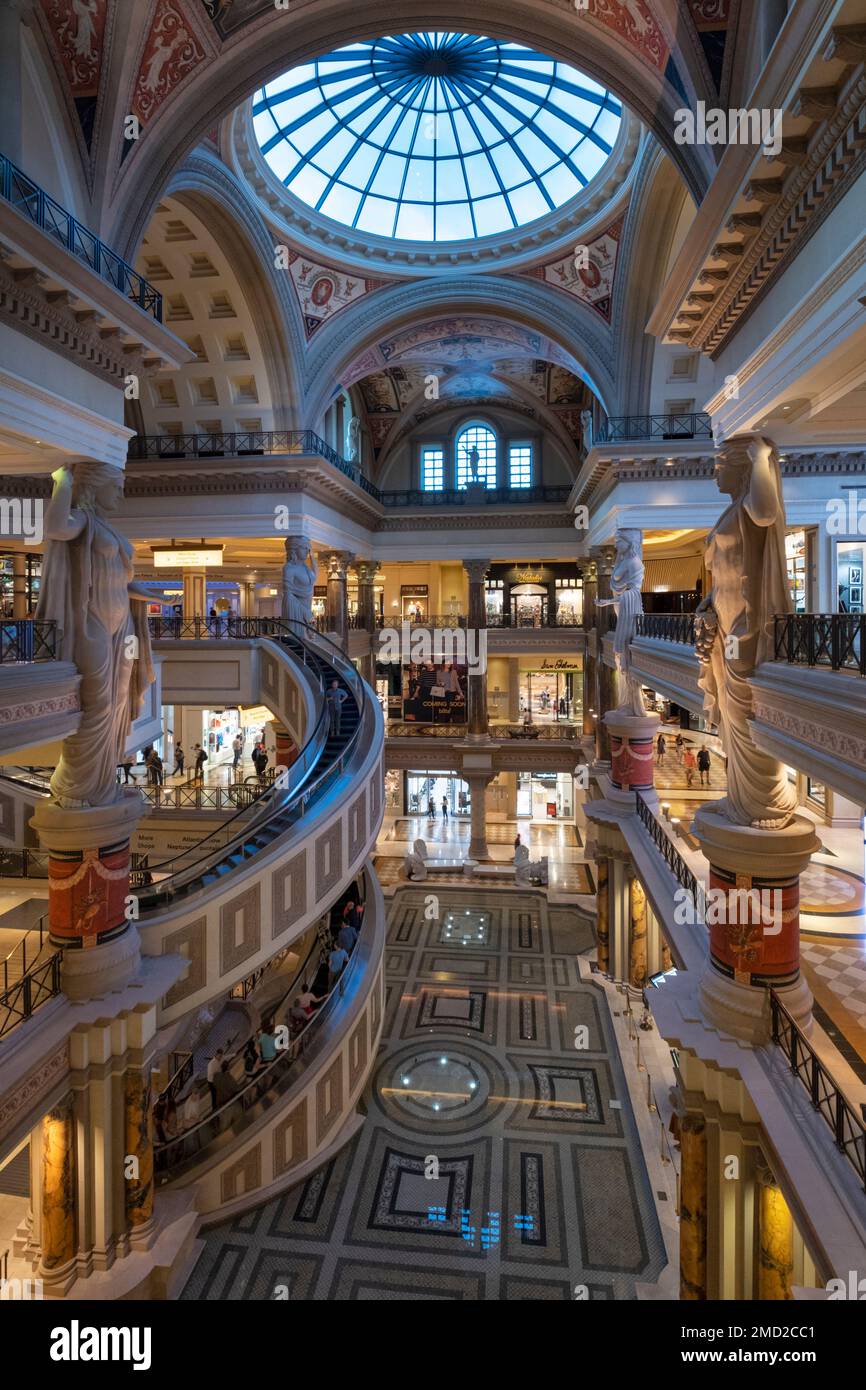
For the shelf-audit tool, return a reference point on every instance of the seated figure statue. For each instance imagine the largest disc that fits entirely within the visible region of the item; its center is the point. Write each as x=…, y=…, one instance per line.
x=414, y=866
x=527, y=870
x=420, y=848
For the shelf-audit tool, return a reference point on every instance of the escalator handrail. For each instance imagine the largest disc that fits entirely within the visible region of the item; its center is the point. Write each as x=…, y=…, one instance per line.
x=256, y=808
x=158, y=893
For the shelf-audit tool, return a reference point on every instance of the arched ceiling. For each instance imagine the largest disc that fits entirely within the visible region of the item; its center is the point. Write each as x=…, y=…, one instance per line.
x=398, y=399
x=178, y=66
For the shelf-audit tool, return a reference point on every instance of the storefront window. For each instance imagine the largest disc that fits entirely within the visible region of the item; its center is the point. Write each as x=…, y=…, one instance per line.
x=569, y=602
x=849, y=576
x=795, y=558
x=528, y=605
x=413, y=600
x=495, y=597
x=545, y=796
x=552, y=695
x=425, y=792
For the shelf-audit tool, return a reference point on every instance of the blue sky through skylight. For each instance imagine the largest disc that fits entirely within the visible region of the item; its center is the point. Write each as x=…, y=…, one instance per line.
x=435, y=137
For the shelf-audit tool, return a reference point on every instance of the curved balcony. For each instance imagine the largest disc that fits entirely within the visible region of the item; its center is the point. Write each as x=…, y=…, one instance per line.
x=229, y=907
x=292, y=1115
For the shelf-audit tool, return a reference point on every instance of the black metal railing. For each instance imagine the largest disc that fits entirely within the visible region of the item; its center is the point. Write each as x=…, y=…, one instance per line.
x=514, y=620
x=847, y=1127
x=25, y=639
x=621, y=428
x=182, y=1152
x=194, y=796
x=835, y=640
x=40, y=208
x=667, y=627
x=26, y=979
x=459, y=497
x=243, y=444
x=672, y=857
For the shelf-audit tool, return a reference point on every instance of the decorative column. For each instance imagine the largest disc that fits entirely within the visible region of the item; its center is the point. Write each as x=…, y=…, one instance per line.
x=59, y=1226
x=513, y=689
x=19, y=584
x=477, y=623
x=753, y=916
x=693, y=1208
x=632, y=763
x=637, y=934
x=478, y=783
x=602, y=914
x=338, y=605
x=286, y=748
x=138, y=1117
x=194, y=593
x=367, y=615
x=605, y=675
x=88, y=887
x=775, y=1253
x=590, y=586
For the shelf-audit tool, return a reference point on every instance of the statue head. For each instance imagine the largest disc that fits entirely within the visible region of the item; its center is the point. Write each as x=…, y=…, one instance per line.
x=629, y=542
x=96, y=487
x=733, y=466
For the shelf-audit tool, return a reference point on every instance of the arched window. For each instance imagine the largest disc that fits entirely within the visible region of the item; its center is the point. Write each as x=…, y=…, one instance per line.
x=475, y=456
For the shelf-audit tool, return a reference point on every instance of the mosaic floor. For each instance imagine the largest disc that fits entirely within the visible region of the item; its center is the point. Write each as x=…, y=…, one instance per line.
x=496, y=1162
x=567, y=878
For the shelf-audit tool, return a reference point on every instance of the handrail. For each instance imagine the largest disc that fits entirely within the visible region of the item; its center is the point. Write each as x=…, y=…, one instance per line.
x=834, y=640
x=672, y=857
x=26, y=640
x=246, y=443
x=849, y=1131
x=667, y=627
x=690, y=425
x=193, y=1141
x=297, y=791
x=493, y=496
x=40, y=208
x=33, y=987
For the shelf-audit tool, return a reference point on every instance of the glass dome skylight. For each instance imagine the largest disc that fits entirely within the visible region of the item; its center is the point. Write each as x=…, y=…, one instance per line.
x=435, y=137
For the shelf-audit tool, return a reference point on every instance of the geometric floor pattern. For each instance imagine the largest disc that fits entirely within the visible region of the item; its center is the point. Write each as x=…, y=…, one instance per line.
x=499, y=1157
x=570, y=878
x=454, y=830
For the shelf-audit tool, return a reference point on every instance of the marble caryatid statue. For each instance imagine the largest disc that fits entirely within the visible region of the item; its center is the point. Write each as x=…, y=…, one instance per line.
x=625, y=586
x=586, y=429
x=299, y=581
x=353, y=439
x=745, y=557
x=101, y=618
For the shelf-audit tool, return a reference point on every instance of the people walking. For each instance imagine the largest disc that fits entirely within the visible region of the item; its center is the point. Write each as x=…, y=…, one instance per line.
x=690, y=765
x=200, y=760
x=237, y=751
x=661, y=747
x=679, y=745
x=179, y=760
x=445, y=807
x=704, y=764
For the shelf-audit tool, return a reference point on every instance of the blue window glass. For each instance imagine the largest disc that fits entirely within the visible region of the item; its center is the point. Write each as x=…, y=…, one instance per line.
x=520, y=465
x=432, y=469
x=475, y=456
x=435, y=137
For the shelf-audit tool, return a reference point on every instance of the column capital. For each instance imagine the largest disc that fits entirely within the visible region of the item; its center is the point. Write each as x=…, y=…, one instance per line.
x=367, y=570
x=338, y=562
x=604, y=557
x=477, y=570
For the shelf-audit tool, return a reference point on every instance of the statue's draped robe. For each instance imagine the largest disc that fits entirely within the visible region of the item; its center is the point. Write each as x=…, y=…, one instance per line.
x=85, y=592
x=749, y=585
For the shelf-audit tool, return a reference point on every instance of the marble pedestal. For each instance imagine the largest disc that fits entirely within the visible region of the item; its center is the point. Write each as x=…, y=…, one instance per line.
x=753, y=919
x=631, y=756
x=88, y=884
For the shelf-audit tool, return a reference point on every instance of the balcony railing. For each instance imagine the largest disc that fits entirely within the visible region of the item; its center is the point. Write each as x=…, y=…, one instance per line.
x=848, y=1129
x=27, y=978
x=834, y=640
x=23, y=639
x=243, y=444
x=622, y=428
x=35, y=204
x=459, y=497
x=672, y=857
x=667, y=627
x=511, y=620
